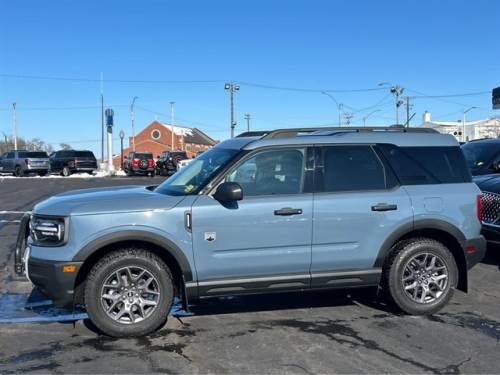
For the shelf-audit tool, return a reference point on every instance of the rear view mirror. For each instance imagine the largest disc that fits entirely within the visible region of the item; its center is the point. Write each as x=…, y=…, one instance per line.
x=228, y=192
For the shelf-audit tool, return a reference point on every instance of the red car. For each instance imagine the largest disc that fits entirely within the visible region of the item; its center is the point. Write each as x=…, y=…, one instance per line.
x=139, y=163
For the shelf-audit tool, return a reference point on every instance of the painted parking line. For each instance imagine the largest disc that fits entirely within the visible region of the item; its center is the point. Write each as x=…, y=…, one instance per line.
x=12, y=212
x=10, y=221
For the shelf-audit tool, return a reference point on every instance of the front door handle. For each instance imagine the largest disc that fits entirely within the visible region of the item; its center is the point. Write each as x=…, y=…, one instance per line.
x=288, y=211
x=384, y=207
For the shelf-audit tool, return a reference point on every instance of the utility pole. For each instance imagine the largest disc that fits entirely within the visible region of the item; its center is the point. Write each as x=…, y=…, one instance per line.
x=464, y=139
x=397, y=91
x=247, y=117
x=340, y=106
x=132, y=117
x=348, y=117
x=232, y=88
x=14, y=125
x=172, y=118
x=102, y=119
x=408, y=107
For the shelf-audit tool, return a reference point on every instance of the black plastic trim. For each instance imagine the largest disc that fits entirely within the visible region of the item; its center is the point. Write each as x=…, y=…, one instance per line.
x=416, y=225
x=47, y=275
x=136, y=235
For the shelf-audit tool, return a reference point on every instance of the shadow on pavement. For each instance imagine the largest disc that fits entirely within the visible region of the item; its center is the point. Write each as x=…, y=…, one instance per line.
x=492, y=256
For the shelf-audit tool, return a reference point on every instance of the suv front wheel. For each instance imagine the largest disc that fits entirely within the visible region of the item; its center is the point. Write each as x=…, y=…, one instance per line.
x=421, y=276
x=129, y=292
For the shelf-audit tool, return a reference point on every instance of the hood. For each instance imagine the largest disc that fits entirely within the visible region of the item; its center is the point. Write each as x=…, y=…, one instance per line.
x=106, y=200
x=489, y=182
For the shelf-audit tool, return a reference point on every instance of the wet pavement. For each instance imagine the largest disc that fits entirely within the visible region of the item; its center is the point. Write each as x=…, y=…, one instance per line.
x=350, y=331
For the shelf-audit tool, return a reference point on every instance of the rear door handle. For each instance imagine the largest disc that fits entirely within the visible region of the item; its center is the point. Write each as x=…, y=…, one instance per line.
x=384, y=207
x=288, y=211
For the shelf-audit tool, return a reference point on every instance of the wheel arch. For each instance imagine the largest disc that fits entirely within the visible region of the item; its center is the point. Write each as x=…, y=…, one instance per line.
x=442, y=231
x=170, y=253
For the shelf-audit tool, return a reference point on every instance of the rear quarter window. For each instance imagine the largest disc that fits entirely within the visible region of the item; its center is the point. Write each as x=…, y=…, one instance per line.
x=427, y=165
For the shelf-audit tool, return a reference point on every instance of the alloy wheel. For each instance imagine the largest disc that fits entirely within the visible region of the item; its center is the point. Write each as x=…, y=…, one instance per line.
x=425, y=278
x=130, y=295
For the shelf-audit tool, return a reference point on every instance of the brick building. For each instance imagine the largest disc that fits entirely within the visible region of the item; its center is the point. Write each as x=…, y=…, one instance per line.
x=157, y=137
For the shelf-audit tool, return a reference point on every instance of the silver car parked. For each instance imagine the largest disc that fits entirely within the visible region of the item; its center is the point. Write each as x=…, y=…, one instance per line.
x=21, y=162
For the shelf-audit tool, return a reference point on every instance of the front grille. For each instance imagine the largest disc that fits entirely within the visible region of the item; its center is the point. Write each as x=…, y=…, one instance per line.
x=491, y=208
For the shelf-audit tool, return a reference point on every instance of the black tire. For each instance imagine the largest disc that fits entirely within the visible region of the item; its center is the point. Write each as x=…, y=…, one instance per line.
x=130, y=172
x=66, y=172
x=41, y=174
x=394, y=271
x=106, y=267
x=153, y=173
x=18, y=172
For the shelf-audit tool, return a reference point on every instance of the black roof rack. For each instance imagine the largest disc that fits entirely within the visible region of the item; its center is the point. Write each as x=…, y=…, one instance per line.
x=288, y=133
x=256, y=133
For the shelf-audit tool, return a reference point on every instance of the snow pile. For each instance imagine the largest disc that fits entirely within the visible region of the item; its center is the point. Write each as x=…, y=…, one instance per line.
x=97, y=174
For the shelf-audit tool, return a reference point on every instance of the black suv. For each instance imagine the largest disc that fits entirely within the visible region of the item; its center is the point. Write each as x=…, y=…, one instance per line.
x=139, y=163
x=67, y=162
x=482, y=156
x=167, y=163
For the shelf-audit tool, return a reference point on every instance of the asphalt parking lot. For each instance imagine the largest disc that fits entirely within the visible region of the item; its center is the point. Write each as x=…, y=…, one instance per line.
x=353, y=331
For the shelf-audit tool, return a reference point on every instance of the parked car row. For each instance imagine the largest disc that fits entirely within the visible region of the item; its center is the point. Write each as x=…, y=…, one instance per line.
x=65, y=162
x=483, y=159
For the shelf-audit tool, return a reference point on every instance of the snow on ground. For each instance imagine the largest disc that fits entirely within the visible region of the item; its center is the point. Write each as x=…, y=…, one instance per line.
x=96, y=174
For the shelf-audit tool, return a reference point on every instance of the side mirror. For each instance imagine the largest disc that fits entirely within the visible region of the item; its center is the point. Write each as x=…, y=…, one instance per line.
x=496, y=165
x=228, y=192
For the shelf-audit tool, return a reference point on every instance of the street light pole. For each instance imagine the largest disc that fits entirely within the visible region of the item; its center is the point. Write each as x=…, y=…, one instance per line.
x=132, y=116
x=232, y=88
x=368, y=115
x=122, y=135
x=247, y=117
x=14, y=125
x=172, y=116
x=463, y=122
x=340, y=106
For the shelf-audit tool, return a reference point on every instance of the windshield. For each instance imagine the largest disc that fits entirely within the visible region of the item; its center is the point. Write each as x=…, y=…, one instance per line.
x=193, y=177
x=478, y=153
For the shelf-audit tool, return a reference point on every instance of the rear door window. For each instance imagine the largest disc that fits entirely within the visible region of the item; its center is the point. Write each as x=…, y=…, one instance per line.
x=349, y=168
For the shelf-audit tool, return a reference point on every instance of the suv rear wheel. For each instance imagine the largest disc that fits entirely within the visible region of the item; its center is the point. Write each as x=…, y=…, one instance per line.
x=421, y=276
x=66, y=172
x=129, y=292
x=18, y=172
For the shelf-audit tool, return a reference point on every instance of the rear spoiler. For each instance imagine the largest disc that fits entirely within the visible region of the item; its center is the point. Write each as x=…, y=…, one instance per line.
x=22, y=235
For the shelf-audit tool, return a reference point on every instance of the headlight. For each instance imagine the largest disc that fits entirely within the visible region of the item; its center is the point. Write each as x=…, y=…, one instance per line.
x=48, y=230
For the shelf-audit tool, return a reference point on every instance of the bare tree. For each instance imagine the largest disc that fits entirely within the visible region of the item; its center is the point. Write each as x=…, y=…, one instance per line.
x=65, y=146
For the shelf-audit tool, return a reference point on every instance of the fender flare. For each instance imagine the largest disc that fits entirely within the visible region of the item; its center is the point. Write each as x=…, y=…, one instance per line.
x=137, y=235
x=416, y=225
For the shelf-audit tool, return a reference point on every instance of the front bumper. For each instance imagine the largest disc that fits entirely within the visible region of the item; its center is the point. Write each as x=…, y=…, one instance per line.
x=49, y=277
x=474, y=250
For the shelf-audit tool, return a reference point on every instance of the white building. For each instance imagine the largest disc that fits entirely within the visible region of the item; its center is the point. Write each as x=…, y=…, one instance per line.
x=487, y=128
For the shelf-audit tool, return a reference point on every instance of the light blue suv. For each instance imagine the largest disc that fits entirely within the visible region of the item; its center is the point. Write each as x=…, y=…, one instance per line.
x=285, y=210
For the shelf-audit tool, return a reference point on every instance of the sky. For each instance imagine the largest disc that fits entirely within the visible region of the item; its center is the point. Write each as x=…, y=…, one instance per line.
x=283, y=54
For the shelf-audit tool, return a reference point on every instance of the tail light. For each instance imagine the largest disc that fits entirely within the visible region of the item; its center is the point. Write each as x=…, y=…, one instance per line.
x=151, y=163
x=135, y=162
x=27, y=161
x=479, y=207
